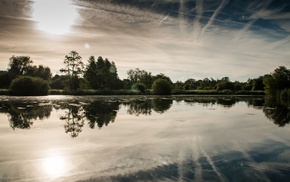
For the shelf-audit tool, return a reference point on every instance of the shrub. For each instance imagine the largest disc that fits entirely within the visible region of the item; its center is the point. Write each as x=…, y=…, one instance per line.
x=140, y=87
x=161, y=87
x=28, y=86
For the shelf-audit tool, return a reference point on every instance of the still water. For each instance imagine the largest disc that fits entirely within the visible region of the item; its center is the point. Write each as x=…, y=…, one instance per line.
x=69, y=138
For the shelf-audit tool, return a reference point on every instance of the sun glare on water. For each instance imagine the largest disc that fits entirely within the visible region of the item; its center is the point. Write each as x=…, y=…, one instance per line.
x=54, y=166
x=54, y=16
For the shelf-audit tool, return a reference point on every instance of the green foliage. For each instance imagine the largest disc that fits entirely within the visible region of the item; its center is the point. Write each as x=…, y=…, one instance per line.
x=4, y=92
x=5, y=79
x=258, y=84
x=161, y=87
x=139, y=87
x=59, y=82
x=225, y=85
x=140, y=76
x=277, y=81
x=28, y=86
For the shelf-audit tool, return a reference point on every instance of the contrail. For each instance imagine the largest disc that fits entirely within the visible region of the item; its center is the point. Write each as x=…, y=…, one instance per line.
x=165, y=18
x=195, y=157
x=196, y=24
x=211, y=162
x=215, y=14
x=279, y=42
x=248, y=25
x=182, y=13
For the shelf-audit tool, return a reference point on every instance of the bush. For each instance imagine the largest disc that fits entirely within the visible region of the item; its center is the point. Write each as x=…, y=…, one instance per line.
x=161, y=87
x=28, y=86
x=140, y=87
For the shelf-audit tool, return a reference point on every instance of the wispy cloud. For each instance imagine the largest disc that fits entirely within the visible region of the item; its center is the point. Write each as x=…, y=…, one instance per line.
x=163, y=41
x=215, y=14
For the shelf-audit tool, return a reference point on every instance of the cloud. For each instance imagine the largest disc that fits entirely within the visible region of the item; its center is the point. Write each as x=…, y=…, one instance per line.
x=159, y=41
x=215, y=14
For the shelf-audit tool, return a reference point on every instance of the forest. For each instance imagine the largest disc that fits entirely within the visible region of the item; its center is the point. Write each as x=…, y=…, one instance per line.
x=100, y=77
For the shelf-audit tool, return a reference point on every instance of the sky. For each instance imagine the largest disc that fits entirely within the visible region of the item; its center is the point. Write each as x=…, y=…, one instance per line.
x=181, y=38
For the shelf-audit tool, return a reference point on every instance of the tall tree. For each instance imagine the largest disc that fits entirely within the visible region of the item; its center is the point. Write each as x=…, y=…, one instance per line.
x=90, y=72
x=19, y=65
x=277, y=81
x=141, y=76
x=101, y=74
x=73, y=68
x=40, y=71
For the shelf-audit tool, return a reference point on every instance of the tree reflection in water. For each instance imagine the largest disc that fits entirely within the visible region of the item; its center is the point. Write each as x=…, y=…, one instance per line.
x=22, y=115
x=101, y=112
x=145, y=106
x=74, y=119
x=278, y=111
x=139, y=106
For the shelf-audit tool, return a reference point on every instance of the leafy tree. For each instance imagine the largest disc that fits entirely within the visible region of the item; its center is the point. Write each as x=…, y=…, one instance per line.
x=59, y=82
x=5, y=79
x=28, y=86
x=161, y=87
x=277, y=81
x=178, y=85
x=225, y=84
x=162, y=76
x=190, y=84
x=140, y=76
x=91, y=73
x=19, y=65
x=258, y=83
x=40, y=71
x=101, y=74
x=73, y=68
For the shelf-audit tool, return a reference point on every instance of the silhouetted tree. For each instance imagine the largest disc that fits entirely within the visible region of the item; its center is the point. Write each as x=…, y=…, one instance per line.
x=5, y=79
x=101, y=74
x=73, y=68
x=28, y=86
x=40, y=71
x=277, y=81
x=258, y=83
x=19, y=65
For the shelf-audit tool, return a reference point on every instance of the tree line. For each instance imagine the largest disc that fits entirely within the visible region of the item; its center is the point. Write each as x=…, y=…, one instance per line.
x=101, y=74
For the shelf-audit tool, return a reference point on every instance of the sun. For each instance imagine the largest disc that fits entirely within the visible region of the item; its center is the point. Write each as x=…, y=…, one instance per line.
x=54, y=166
x=54, y=16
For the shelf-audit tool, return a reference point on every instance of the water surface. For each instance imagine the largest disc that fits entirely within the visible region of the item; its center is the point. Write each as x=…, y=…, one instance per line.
x=69, y=138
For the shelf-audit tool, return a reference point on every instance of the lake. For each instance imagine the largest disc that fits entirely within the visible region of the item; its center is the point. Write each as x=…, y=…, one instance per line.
x=139, y=138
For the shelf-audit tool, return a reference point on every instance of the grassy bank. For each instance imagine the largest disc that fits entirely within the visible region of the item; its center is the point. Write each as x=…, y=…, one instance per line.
x=215, y=92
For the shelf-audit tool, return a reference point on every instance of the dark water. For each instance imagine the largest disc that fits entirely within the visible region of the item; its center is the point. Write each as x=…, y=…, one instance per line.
x=64, y=138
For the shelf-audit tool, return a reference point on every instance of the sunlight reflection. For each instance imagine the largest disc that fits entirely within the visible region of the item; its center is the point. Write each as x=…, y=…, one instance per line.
x=54, y=166
x=54, y=16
